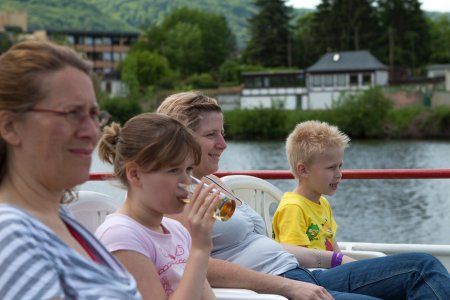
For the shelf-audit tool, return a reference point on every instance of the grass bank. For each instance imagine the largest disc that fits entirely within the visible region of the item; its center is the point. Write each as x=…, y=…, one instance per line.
x=366, y=115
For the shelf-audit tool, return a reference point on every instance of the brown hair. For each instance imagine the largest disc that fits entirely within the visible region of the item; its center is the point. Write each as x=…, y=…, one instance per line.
x=188, y=106
x=150, y=140
x=311, y=138
x=22, y=71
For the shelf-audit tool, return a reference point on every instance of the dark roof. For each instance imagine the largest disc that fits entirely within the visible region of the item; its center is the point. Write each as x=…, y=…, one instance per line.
x=274, y=73
x=347, y=61
x=93, y=33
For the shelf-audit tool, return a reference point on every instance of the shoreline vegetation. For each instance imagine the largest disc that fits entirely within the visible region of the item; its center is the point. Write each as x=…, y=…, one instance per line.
x=367, y=115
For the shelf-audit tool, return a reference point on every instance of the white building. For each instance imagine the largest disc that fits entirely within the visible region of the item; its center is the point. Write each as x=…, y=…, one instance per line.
x=338, y=73
x=112, y=85
x=333, y=74
x=274, y=89
x=439, y=70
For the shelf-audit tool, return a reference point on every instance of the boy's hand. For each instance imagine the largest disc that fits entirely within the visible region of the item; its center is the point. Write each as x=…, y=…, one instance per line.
x=347, y=259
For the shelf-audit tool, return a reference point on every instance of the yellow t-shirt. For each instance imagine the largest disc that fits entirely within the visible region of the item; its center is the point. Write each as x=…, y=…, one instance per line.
x=299, y=221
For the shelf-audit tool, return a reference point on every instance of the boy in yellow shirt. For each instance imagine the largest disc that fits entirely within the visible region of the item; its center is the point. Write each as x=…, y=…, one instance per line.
x=315, y=151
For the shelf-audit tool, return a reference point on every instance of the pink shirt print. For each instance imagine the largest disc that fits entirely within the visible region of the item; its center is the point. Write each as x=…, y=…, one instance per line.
x=171, y=271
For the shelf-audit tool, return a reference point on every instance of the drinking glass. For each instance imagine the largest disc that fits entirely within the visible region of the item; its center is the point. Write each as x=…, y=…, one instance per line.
x=224, y=209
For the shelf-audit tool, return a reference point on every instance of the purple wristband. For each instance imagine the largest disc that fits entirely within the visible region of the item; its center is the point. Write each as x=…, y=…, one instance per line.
x=339, y=259
x=333, y=260
x=336, y=259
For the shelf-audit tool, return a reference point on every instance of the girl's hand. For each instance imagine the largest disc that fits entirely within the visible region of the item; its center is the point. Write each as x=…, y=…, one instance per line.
x=200, y=216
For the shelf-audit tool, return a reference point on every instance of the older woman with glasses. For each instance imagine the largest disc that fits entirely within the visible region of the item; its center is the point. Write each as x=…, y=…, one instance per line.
x=49, y=128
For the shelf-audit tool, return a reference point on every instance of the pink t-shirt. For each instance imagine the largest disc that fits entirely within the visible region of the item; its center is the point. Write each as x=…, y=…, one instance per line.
x=168, y=252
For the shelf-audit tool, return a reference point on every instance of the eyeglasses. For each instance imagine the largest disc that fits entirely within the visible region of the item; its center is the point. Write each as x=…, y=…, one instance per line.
x=77, y=116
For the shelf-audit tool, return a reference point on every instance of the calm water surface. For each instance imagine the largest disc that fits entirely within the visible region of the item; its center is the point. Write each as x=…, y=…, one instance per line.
x=389, y=211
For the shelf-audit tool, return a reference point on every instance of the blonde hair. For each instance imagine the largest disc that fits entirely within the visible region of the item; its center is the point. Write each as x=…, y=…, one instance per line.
x=187, y=107
x=150, y=140
x=310, y=139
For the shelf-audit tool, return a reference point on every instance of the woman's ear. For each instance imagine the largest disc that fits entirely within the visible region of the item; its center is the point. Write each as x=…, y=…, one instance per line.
x=8, y=128
x=133, y=177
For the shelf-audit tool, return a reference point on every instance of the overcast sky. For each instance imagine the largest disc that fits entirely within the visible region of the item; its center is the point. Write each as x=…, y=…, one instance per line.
x=429, y=5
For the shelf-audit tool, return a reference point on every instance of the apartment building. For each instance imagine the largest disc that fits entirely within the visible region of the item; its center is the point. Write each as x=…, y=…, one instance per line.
x=105, y=49
x=16, y=19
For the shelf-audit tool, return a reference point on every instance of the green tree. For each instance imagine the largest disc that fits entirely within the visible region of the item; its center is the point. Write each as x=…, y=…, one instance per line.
x=201, y=81
x=270, y=42
x=183, y=48
x=440, y=40
x=407, y=34
x=193, y=41
x=345, y=25
x=305, y=49
x=142, y=69
x=121, y=109
x=5, y=42
x=230, y=71
x=362, y=114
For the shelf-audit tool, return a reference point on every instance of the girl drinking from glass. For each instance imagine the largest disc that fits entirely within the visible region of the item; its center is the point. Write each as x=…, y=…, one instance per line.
x=153, y=156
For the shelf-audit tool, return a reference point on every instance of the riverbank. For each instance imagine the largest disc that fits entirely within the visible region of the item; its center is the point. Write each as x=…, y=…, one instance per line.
x=365, y=116
x=362, y=116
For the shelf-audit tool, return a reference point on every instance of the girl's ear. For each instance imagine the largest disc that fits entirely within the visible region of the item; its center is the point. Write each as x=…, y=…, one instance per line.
x=8, y=128
x=133, y=177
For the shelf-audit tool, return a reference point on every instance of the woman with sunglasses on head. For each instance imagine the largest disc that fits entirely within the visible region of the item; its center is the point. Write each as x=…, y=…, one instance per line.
x=49, y=127
x=244, y=257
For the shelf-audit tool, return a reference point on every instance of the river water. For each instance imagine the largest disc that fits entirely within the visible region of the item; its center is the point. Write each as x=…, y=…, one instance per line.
x=385, y=211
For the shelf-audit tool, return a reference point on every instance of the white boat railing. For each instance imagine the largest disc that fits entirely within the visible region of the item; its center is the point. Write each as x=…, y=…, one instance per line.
x=441, y=252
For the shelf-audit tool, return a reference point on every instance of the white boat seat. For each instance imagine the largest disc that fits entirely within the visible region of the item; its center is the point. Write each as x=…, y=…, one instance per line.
x=91, y=208
x=260, y=194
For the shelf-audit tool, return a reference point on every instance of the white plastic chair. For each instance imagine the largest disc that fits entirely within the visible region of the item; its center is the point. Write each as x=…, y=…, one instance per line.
x=264, y=198
x=260, y=194
x=91, y=208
